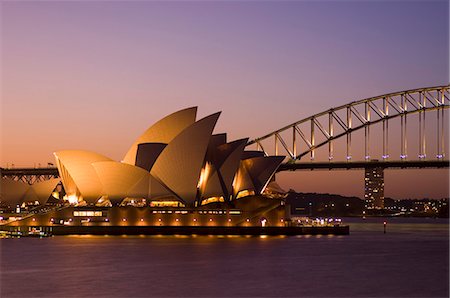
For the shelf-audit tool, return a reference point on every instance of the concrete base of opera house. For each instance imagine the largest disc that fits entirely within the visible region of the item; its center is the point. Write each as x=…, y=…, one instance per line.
x=183, y=230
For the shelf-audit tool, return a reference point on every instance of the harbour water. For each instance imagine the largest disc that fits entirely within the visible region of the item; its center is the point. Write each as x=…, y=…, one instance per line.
x=411, y=259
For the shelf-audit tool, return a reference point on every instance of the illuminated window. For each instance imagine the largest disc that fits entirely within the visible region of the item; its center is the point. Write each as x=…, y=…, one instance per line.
x=245, y=193
x=212, y=200
x=166, y=204
x=87, y=213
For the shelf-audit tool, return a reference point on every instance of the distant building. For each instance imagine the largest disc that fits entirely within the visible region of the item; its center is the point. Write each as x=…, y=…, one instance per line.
x=374, y=188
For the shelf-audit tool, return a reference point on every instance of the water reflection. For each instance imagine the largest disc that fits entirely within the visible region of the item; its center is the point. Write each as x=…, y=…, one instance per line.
x=365, y=263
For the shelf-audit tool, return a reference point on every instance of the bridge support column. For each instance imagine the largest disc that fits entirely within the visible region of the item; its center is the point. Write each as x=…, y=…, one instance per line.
x=349, y=133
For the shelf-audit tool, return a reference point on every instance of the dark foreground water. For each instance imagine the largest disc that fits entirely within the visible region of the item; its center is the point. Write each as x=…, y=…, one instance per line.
x=410, y=260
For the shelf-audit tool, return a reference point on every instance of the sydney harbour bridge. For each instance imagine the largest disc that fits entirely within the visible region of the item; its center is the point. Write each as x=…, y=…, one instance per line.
x=407, y=129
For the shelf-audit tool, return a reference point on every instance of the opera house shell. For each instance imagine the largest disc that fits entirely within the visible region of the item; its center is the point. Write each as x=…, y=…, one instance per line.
x=177, y=162
x=177, y=159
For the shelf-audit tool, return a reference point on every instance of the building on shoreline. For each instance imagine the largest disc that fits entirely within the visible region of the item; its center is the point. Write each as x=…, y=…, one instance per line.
x=176, y=173
x=374, y=188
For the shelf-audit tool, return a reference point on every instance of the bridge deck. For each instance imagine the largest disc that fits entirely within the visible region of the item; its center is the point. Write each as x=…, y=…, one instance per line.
x=352, y=165
x=29, y=171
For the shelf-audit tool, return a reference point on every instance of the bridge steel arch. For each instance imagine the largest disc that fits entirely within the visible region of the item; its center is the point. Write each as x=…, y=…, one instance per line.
x=362, y=114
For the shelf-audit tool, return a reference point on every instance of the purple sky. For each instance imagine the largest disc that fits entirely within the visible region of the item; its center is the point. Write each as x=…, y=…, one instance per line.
x=95, y=75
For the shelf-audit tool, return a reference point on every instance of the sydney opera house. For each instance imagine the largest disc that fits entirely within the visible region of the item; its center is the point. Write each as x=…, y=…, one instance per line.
x=177, y=173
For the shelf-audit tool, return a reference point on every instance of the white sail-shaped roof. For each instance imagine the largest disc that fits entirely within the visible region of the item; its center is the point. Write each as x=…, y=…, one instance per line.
x=78, y=175
x=215, y=141
x=261, y=169
x=274, y=187
x=12, y=192
x=44, y=189
x=147, y=153
x=179, y=164
x=227, y=160
x=230, y=166
x=175, y=158
x=212, y=186
x=158, y=190
x=242, y=180
x=163, y=131
x=121, y=180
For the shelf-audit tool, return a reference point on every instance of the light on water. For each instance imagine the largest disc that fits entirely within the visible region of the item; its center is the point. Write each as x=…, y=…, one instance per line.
x=410, y=260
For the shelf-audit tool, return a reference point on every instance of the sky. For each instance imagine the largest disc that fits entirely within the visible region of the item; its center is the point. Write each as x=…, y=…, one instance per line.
x=94, y=75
